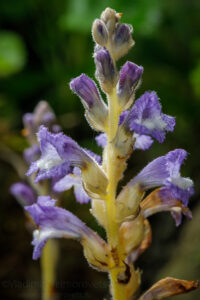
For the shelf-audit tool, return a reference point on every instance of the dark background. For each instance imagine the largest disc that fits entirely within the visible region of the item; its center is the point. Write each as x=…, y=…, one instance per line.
x=43, y=44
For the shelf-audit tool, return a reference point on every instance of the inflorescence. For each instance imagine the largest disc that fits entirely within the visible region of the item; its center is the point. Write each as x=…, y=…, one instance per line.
x=125, y=125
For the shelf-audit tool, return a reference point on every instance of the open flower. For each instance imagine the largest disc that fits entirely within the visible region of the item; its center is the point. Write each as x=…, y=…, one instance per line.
x=161, y=172
x=146, y=117
x=165, y=171
x=56, y=222
x=59, y=153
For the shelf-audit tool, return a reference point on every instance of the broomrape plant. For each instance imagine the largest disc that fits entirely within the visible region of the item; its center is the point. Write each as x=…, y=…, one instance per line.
x=126, y=126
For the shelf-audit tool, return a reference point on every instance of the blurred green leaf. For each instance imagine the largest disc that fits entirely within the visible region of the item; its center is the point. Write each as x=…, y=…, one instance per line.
x=12, y=53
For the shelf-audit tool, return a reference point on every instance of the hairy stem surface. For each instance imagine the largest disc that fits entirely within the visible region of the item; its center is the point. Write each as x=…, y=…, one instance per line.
x=118, y=290
x=48, y=264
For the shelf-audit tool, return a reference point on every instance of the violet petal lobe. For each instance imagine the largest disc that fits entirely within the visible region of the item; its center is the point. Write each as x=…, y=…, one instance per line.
x=23, y=193
x=54, y=222
x=73, y=180
x=86, y=89
x=165, y=171
x=146, y=117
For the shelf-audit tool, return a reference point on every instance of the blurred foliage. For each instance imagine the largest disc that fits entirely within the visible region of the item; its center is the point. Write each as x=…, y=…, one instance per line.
x=43, y=44
x=12, y=53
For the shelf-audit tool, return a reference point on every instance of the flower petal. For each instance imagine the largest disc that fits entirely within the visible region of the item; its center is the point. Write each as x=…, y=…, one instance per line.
x=23, y=193
x=164, y=171
x=142, y=142
x=66, y=183
x=146, y=117
x=56, y=222
x=80, y=194
x=163, y=199
x=129, y=77
x=101, y=140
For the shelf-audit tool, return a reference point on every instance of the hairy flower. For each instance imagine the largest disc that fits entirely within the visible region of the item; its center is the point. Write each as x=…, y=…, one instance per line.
x=146, y=117
x=56, y=222
x=59, y=153
x=96, y=109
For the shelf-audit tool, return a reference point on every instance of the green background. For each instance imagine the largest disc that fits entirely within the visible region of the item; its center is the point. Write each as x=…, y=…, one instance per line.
x=43, y=44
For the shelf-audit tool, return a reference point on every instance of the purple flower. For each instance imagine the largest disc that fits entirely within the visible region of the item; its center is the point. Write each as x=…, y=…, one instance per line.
x=129, y=77
x=165, y=171
x=86, y=89
x=59, y=153
x=146, y=117
x=56, y=222
x=23, y=193
x=73, y=180
x=142, y=142
x=42, y=115
x=123, y=33
x=105, y=70
x=163, y=199
x=122, y=40
x=96, y=109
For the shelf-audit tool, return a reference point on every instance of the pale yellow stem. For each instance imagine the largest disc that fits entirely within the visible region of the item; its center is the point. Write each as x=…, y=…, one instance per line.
x=48, y=265
x=118, y=290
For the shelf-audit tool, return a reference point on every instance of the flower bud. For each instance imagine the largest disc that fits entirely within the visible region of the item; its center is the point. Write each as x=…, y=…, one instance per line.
x=105, y=70
x=100, y=32
x=130, y=75
x=131, y=234
x=110, y=17
x=96, y=109
x=122, y=40
x=23, y=193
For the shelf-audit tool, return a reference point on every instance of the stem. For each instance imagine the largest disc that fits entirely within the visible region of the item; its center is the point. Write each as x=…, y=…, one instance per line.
x=48, y=264
x=118, y=289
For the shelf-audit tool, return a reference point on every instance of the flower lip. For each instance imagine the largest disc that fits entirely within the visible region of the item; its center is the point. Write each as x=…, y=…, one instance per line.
x=165, y=171
x=146, y=117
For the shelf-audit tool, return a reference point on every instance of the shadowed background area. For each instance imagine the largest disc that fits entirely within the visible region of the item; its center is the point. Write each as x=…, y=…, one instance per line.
x=43, y=44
